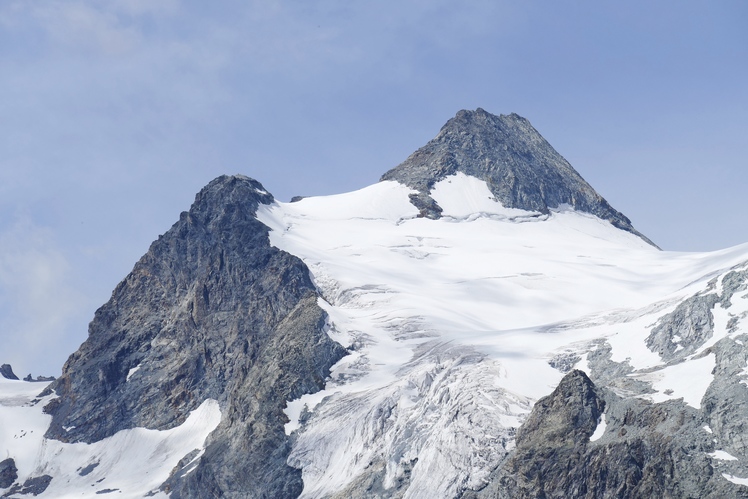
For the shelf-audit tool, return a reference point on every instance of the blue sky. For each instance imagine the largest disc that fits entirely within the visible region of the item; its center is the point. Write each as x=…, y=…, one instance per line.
x=115, y=113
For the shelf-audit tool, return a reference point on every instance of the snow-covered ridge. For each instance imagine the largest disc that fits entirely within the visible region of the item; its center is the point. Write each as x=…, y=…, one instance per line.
x=447, y=317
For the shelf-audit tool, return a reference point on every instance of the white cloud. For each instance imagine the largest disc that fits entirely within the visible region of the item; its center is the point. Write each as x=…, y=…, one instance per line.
x=38, y=298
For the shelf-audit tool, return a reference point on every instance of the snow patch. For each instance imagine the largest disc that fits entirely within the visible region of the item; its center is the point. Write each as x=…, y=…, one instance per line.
x=600, y=430
x=461, y=196
x=735, y=479
x=722, y=456
x=688, y=380
x=132, y=371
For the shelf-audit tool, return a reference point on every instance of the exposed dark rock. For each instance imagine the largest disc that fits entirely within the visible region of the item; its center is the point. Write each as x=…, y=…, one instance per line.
x=683, y=331
x=8, y=473
x=7, y=372
x=726, y=401
x=427, y=207
x=33, y=486
x=211, y=311
x=647, y=450
x=569, y=414
x=733, y=282
x=521, y=169
x=86, y=470
x=39, y=379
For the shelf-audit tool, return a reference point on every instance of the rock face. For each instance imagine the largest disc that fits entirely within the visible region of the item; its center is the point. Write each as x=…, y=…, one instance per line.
x=33, y=486
x=521, y=169
x=211, y=311
x=646, y=450
x=8, y=473
x=7, y=372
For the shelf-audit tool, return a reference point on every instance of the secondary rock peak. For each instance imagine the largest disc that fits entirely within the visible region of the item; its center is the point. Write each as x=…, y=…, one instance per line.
x=519, y=166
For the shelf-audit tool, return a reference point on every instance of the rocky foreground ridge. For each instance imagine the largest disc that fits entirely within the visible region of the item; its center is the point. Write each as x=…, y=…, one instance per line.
x=211, y=311
x=217, y=311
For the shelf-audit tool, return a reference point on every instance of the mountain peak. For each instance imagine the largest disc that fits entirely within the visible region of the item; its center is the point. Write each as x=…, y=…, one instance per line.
x=522, y=170
x=229, y=190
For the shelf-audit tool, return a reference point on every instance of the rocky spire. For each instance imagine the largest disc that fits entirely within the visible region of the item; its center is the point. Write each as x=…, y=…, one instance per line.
x=521, y=168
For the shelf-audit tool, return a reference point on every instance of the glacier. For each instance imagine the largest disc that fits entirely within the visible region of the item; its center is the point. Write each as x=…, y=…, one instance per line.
x=455, y=325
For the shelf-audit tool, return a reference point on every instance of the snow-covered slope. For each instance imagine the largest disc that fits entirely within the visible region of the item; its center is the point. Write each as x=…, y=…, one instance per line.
x=132, y=463
x=458, y=325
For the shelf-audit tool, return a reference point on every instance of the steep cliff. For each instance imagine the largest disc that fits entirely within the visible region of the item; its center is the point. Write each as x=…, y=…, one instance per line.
x=212, y=311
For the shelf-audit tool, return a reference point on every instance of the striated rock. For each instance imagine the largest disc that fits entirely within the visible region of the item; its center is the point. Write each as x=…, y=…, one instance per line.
x=646, y=450
x=521, y=168
x=211, y=311
x=7, y=372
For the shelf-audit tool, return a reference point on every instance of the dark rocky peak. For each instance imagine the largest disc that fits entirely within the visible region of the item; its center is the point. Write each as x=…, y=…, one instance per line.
x=7, y=372
x=229, y=194
x=568, y=414
x=521, y=168
x=212, y=310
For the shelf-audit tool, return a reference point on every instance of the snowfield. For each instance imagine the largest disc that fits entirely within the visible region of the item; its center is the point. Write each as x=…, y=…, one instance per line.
x=453, y=323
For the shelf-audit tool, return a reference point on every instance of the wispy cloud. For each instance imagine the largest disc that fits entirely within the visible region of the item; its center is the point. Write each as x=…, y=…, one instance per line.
x=38, y=300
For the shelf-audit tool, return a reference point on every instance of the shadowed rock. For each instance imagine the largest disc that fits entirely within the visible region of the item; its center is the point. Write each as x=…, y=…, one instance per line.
x=8, y=473
x=7, y=372
x=646, y=450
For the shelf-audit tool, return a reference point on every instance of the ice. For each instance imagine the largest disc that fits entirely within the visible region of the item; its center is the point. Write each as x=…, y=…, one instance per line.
x=513, y=287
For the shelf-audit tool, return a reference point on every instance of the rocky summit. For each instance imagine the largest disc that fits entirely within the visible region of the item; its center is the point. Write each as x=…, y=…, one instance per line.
x=522, y=170
x=480, y=324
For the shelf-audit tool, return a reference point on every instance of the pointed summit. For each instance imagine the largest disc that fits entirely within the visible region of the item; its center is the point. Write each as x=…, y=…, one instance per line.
x=519, y=166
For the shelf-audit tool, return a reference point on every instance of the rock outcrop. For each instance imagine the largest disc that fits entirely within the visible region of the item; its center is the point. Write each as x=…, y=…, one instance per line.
x=8, y=473
x=6, y=371
x=645, y=450
x=521, y=168
x=211, y=311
